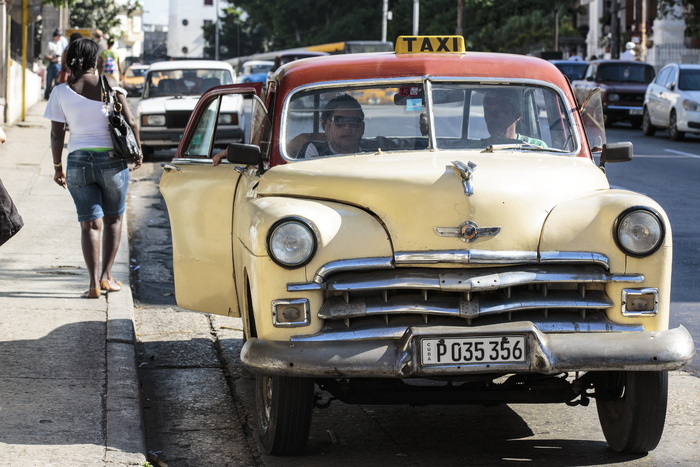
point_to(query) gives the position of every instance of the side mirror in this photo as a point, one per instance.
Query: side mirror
(616, 152)
(247, 154)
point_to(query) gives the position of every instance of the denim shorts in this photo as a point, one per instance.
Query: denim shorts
(98, 183)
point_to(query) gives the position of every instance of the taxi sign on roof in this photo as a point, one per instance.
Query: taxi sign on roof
(429, 44)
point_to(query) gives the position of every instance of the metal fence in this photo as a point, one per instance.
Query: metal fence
(663, 54)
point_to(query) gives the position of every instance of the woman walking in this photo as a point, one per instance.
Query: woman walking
(96, 179)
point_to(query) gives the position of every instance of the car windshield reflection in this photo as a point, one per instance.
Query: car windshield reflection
(400, 117)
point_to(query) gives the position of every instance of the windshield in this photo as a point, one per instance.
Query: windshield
(689, 80)
(399, 117)
(184, 82)
(626, 72)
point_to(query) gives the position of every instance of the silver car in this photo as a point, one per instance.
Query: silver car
(672, 101)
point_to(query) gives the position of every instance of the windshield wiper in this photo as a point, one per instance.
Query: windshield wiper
(520, 147)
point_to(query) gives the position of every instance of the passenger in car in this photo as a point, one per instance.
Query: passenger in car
(502, 112)
(343, 123)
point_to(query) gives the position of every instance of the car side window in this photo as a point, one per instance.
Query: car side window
(663, 75)
(672, 79)
(201, 142)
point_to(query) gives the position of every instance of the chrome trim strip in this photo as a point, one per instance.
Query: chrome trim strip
(357, 264)
(192, 161)
(454, 257)
(473, 280)
(459, 307)
(574, 257)
(465, 257)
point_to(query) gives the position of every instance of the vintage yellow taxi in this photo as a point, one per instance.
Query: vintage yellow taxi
(438, 262)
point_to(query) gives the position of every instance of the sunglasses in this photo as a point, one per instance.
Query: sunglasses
(341, 121)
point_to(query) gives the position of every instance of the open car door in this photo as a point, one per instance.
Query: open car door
(200, 197)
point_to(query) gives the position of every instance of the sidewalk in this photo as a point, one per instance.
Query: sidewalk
(69, 390)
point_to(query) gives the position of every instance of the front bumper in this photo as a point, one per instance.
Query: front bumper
(548, 353)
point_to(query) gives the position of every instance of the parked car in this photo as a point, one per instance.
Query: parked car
(623, 84)
(133, 79)
(572, 69)
(672, 101)
(171, 91)
(442, 259)
(255, 71)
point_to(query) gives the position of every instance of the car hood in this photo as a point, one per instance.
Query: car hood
(693, 95)
(167, 104)
(413, 194)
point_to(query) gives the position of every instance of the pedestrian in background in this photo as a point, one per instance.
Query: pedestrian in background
(96, 179)
(10, 220)
(65, 71)
(55, 50)
(108, 62)
(100, 39)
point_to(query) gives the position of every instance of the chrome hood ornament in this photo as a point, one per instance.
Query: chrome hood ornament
(466, 171)
(467, 232)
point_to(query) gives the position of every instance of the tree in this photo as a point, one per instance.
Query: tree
(95, 14)
(237, 36)
(305, 22)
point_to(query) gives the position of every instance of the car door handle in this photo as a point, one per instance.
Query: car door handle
(168, 167)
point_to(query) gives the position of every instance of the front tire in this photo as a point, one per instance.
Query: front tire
(284, 407)
(632, 409)
(647, 127)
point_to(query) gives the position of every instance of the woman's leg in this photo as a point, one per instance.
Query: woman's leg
(90, 233)
(110, 246)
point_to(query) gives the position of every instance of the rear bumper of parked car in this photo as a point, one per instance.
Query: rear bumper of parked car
(624, 112)
(547, 353)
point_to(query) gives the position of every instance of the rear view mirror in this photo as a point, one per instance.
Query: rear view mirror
(247, 154)
(616, 152)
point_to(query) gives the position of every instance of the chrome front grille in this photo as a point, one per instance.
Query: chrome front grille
(466, 293)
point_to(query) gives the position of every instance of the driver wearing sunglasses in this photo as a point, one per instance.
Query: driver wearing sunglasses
(343, 123)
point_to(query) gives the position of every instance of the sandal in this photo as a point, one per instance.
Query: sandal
(92, 293)
(111, 285)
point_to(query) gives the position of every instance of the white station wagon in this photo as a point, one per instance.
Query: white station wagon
(170, 94)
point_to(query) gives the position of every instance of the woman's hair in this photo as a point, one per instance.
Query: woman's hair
(81, 56)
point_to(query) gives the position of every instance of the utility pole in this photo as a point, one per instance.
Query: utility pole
(416, 8)
(460, 18)
(643, 45)
(217, 30)
(614, 29)
(385, 13)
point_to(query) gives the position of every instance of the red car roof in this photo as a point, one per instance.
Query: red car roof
(388, 65)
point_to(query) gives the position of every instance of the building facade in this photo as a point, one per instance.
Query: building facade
(186, 20)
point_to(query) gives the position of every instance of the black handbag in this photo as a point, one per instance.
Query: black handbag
(123, 139)
(10, 220)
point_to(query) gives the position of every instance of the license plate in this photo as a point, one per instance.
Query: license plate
(473, 350)
(635, 111)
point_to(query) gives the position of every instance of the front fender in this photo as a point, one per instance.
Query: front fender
(587, 223)
(343, 232)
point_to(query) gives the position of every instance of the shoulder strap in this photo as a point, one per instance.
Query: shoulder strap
(109, 97)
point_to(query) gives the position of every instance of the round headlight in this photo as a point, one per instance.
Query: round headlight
(640, 232)
(291, 243)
